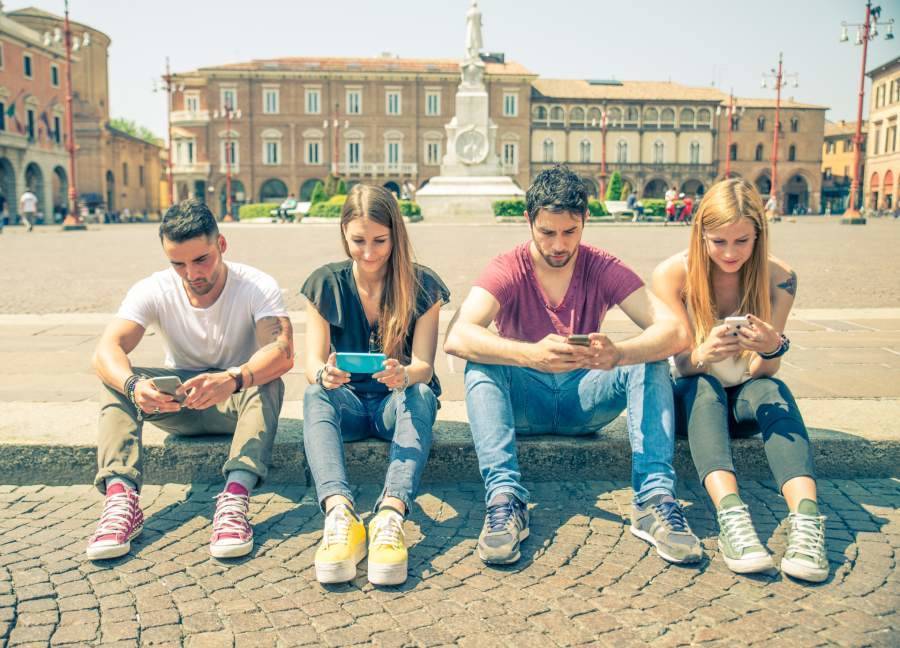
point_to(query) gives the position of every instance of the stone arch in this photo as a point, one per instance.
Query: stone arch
(703, 117)
(539, 112)
(111, 191)
(693, 187)
(8, 202)
(686, 118)
(591, 185)
(667, 117)
(273, 190)
(557, 114)
(655, 188)
(796, 193)
(651, 116)
(594, 117)
(238, 197)
(576, 115)
(763, 184)
(60, 193)
(34, 182)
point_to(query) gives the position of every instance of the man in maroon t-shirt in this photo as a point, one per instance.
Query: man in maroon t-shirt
(550, 370)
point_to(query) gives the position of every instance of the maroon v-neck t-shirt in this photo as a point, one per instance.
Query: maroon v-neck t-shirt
(599, 282)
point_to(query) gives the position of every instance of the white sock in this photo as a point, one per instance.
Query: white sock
(245, 478)
(127, 483)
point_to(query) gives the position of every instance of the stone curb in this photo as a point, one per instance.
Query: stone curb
(67, 455)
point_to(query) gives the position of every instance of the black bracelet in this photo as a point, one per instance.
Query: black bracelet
(780, 351)
(129, 393)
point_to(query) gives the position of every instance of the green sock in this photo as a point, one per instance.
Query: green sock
(808, 507)
(730, 501)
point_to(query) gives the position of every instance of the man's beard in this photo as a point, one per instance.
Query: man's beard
(553, 263)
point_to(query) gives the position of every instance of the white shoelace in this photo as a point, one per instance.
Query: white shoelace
(231, 514)
(116, 516)
(388, 531)
(337, 526)
(807, 535)
(738, 526)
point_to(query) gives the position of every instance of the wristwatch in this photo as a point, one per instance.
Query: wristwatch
(237, 374)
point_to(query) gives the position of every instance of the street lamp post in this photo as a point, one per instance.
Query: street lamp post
(169, 87)
(229, 113)
(865, 32)
(730, 112)
(335, 125)
(777, 78)
(603, 173)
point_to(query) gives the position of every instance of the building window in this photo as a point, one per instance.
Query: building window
(354, 153)
(557, 114)
(26, 66)
(795, 124)
(760, 123)
(433, 152)
(548, 150)
(57, 129)
(393, 153)
(313, 97)
(54, 75)
(792, 153)
(848, 145)
(511, 154)
(622, 152)
(314, 152)
(759, 153)
(354, 102)
(192, 102)
(432, 103)
(732, 154)
(184, 151)
(667, 118)
(392, 98)
(229, 98)
(890, 140)
(141, 175)
(510, 104)
(735, 123)
(228, 153)
(877, 142)
(704, 117)
(270, 101)
(659, 152)
(271, 152)
(686, 118)
(125, 173)
(585, 149)
(695, 152)
(29, 125)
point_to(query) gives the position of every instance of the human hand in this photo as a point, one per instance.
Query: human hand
(153, 401)
(553, 354)
(332, 377)
(207, 389)
(601, 354)
(721, 343)
(394, 374)
(759, 336)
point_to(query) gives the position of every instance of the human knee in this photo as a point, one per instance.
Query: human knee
(708, 388)
(476, 371)
(648, 372)
(421, 401)
(315, 394)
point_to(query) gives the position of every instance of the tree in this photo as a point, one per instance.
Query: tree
(333, 185)
(131, 128)
(341, 187)
(626, 191)
(614, 188)
(318, 194)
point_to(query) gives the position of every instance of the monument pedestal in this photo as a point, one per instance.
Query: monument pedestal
(465, 198)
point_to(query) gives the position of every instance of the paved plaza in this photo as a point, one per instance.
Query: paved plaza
(583, 579)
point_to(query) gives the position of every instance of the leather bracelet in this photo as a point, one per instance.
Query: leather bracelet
(129, 386)
(780, 351)
(320, 374)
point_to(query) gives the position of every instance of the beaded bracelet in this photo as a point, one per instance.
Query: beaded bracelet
(130, 384)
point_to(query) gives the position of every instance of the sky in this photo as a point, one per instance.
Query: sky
(694, 42)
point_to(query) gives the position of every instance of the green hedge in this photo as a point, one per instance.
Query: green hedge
(409, 208)
(251, 211)
(332, 207)
(516, 207)
(657, 206)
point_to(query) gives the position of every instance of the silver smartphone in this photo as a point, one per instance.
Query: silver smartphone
(169, 385)
(737, 322)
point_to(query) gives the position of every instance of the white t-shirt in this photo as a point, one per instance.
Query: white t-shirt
(217, 337)
(29, 202)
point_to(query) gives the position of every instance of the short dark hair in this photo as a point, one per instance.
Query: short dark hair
(186, 220)
(556, 189)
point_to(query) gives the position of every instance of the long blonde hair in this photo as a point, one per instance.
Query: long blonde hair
(398, 296)
(728, 202)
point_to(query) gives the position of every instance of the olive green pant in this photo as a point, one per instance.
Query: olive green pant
(251, 416)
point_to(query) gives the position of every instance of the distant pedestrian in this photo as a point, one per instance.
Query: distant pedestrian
(671, 197)
(28, 203)
(771, 209)
(687, 212)
(634, 206)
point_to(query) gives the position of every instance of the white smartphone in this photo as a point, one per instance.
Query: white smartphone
(169, 385)
(737, 321)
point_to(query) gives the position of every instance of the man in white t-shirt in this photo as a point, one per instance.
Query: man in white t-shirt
(28, 203)
(228, 338)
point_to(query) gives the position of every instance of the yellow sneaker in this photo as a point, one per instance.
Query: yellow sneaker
(387, 549)
(343, 546)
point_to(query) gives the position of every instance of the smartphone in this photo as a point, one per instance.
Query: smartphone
(366, 363)
(169, 385)
(737, 321)
(579, 340)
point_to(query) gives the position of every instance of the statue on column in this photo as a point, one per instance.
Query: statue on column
(473, 33)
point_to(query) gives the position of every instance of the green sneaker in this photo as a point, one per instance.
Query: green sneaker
(805, 557)
(738, 543)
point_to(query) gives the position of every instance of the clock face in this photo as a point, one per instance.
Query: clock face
(471, 147)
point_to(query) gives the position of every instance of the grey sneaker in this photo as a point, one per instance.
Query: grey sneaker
(505, 526)
(740, 546)
(661, 523)
(805, 557)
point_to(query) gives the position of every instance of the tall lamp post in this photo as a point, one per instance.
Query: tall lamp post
(335, 125)
(170, 85)
(73, 219)
(229, 113)
(730, 111)
(776, 78)
(603, 174)
(865, 32)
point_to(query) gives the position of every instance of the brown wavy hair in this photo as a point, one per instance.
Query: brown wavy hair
(728, 202)
(398, 296)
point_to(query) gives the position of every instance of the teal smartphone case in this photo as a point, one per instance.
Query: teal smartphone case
(367, 363)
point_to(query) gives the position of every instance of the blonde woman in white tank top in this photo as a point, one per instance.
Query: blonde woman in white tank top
(727, 377)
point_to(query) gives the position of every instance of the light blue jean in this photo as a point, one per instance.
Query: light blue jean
(505, 401)
(331, 416)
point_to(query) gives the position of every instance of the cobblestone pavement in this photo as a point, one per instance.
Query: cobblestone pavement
(583, 578)
(51, 271)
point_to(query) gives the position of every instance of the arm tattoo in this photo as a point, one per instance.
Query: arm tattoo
(789, 285)
(276, 333)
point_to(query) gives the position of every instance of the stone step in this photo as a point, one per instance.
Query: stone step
(55, 443)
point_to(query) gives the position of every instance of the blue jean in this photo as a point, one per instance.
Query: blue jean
(331, 416)
(505, 401)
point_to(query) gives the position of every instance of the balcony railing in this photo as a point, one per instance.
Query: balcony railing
(196, 168)
(185, 117)
(377, 168)
(510, 169)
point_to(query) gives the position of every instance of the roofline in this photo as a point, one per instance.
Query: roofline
(49, 15)
(880, 68)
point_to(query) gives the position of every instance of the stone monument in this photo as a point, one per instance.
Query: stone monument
(471, 176)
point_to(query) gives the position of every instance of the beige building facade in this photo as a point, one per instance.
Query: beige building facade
(882, 174)
(114, 170)
(296, 120)
(838, 158)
